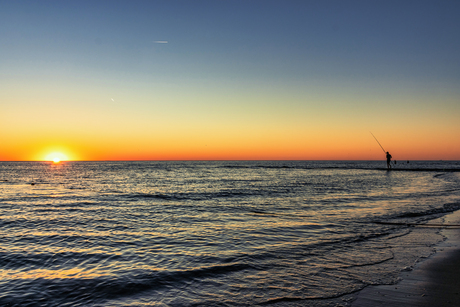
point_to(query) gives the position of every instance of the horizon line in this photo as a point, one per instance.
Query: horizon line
(211, 160)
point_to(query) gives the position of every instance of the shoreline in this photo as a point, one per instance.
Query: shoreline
(434, 281)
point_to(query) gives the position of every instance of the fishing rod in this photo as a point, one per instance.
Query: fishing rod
(378, 142)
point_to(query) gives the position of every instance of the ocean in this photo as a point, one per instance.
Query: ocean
(215, 233)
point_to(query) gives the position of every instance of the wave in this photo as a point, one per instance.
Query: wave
(423, 215)
(286, 299)
(187, 196)
(446, 208)
(261, 166)
(39, 260)
(200, 196)
(395, 169)
(56, 291)
(415, 166)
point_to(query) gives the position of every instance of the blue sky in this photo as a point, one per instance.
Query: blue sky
(299, 39)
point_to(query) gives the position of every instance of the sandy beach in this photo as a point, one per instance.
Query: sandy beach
(434, 281)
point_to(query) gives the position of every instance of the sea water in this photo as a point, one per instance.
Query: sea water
(222, 233)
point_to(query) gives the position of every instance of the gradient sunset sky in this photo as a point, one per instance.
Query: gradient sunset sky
(182, 80)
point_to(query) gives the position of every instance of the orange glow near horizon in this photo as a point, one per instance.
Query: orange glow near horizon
(271, 133)
(247, 148)
(56, 157)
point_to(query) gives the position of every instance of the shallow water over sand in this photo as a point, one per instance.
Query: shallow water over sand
(213, 233)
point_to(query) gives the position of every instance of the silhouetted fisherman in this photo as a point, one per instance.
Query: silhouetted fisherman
(388, 160)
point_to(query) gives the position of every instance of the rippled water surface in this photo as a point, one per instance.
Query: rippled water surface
(213, 233)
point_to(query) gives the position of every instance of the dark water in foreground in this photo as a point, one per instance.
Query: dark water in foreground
(213, 233)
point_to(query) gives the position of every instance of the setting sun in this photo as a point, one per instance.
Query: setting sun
(56, 157)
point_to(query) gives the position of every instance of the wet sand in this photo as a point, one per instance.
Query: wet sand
(433, 282)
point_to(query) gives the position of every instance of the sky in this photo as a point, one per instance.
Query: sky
(229, 80)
